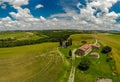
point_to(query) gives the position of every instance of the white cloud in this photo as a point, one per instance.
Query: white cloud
(20, 2)
(39, 6)
(42, 18)
(112, 14)
(86, 20)
(6, 19)
(78, 5)
(55, 19)
(103, 5)
(16, 2)
(22, 14)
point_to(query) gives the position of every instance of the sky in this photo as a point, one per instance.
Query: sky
(59, 14)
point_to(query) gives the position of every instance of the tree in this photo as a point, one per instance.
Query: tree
(84, 64)
(106, 49)
(70, 41)
(60, 42)
(70, 53)
(67, 43)
(83, 42)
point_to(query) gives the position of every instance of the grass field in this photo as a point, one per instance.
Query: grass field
(113, 41)
(77, 38)
(33, 63)
(99, 67)
(20, 35)
(43, 63)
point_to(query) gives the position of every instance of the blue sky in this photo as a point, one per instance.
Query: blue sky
(116, 7)
(5, 12)
(50, 9)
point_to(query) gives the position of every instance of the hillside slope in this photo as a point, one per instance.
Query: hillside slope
(33, 63)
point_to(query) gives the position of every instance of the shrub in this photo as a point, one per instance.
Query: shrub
(83, 42)
(84, 64)
(106, 49)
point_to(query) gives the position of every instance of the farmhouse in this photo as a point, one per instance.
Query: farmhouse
(85, 49)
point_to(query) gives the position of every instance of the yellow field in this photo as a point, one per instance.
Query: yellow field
(33, 63)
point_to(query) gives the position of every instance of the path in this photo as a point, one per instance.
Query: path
(72, 73)
(63, 57)
(96, 41)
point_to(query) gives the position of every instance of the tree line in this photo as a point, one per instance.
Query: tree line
(52, 36)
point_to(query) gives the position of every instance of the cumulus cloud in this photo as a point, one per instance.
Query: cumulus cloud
(85, 20)
(42, 18)
(103, 20)
(16, 2)
(39, 6)
(103, 5)
(22, 14)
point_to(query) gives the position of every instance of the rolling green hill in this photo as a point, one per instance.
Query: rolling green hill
(20, 35)
(43, 63)
(34, 63)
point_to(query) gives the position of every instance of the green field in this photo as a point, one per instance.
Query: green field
(99, 67)
(46, 62)
(34, 63)
(20, 35)
(113, 41)
(77, 38)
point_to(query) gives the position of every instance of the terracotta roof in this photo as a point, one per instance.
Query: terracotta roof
(87, 46)
(94, 45)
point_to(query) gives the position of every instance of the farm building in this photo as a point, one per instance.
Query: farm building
(85, 49)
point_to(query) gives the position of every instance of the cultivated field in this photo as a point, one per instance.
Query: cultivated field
(33, 63)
